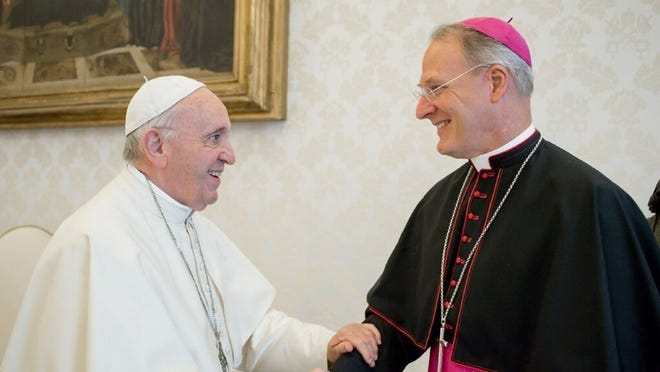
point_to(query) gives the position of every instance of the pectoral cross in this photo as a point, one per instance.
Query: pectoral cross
(441, 338)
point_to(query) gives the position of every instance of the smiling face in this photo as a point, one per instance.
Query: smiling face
(459, 111)
(198, 150)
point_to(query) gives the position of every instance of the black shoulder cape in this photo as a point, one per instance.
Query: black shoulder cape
(567, 277)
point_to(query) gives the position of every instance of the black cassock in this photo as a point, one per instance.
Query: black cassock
(566, 278)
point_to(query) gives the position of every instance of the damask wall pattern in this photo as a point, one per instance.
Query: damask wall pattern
(317, 201)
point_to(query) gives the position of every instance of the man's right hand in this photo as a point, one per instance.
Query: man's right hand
(364, 337)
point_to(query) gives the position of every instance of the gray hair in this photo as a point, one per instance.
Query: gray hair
(481, 49)
(133, 145)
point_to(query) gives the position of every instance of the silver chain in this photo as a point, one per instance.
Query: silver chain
(445, 311)
(211, 314)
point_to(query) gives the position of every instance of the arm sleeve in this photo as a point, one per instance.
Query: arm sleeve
(394, 353)
(283, 344)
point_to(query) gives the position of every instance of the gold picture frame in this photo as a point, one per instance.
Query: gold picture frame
(254, 89)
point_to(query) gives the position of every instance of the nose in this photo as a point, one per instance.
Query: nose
(424, 108)
(227, 154)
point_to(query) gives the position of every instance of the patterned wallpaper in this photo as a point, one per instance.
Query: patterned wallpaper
(317, 201)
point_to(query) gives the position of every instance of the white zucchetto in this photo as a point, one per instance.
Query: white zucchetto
(156, 96)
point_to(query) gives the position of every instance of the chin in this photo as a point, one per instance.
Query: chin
(210, 201)
(448, 152)
(441, 149)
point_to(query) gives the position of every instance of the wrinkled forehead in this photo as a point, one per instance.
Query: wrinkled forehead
(442, 56)
(451, 45)
(203, 112)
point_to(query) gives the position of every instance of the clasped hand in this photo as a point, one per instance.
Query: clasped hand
(364, 338)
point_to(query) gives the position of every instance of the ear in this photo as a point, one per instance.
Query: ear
(499, 82)
(152, 147)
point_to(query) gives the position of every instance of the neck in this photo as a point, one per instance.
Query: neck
(512, 117)
(154, 174)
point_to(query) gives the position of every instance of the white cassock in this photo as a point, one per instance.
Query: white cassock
(111, 293)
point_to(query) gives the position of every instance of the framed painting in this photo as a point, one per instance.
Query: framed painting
(78, 62)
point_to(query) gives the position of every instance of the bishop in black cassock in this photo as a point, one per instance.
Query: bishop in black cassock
(523, 259)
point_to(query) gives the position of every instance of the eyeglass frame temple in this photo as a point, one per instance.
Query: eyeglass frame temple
(422, 93)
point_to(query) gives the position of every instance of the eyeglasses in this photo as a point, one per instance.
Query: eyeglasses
(432, 93)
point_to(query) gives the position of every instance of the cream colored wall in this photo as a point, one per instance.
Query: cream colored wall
(317, 201)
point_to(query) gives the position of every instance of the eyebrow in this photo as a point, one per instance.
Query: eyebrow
(431, 81)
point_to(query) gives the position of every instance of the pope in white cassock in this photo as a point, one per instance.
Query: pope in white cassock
(135, 280)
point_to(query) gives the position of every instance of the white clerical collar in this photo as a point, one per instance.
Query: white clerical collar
(481, 162)
(171, 208)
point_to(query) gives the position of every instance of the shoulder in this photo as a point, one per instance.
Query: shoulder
(564, 168)
(105, 211)
(109, 218)
(579, 184)
(557, 160)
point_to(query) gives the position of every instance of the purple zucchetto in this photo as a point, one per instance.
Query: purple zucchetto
(502, 32)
